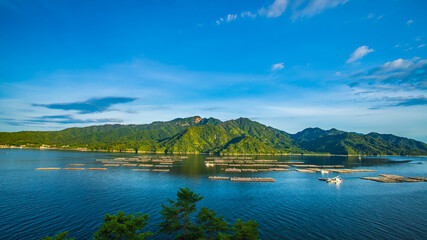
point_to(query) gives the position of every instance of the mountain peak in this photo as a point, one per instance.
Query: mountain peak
(196, 119)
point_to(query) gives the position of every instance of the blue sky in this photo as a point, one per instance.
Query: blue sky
(355, 65)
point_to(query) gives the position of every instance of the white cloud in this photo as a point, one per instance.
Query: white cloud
(359, 53)
(422, 45)
(301, 8)
(314, 7)
(219, 21)
(231, 17)
(409, 21)
(397, 64)
(248, 14)
(274, 10)
(372, 16)
(277, 66)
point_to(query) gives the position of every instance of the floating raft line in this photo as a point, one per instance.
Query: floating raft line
(280, 169)
(235, 165)
(73, 169)
(218, 178)
(101, 169)
(316, 166)
(283, 165)
(145, 165)
(111, 165)
(254, 179)
(76, 164)
(387, 178)
(305, 170)
(314, 170)
(349, 170)
(233, 170)
(265, 170)
(160, 170)
(241, 179)
(142, 169)
(129, 165)
(48, 168)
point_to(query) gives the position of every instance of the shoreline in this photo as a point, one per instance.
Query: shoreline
(219, 154)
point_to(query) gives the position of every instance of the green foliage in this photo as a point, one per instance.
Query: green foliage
(244, 230)
(59, 236)
(211, 226)
(200, 139)
(247, 144)
(176, 215)
(122, 226)
(275, 138)
(201, 135)
(176, 221)
(339, 142)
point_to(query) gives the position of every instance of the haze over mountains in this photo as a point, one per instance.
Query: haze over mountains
(210, 135)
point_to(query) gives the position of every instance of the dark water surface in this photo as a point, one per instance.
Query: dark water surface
(297, 206)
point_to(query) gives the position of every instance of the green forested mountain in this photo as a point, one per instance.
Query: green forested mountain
(340, 142)
(210, 135)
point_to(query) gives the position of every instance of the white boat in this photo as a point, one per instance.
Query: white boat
(324, 171)
(336, 180)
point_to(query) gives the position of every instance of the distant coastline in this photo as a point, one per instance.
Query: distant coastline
(219, 154)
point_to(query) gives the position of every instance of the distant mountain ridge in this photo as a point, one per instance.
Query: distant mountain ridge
(210, 135)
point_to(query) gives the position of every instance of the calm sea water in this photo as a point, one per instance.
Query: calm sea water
(297, 206)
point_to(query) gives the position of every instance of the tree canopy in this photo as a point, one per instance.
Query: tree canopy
(180, 220)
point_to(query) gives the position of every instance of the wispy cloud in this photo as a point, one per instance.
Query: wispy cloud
(398, 64)
(276, 9)
(248, 14)
(277, 66)
(219, 21)
(413, 101)
(68, 119)
(374, 16)
(400, 79)
(390, 102)
(59, 119)
(228, 18)
(92, 105)
(312, 7)
(301, 9)
(409, 22)
(231, 17)
(359, 53)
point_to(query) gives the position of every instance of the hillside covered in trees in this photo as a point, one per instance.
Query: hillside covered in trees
(210, 135)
